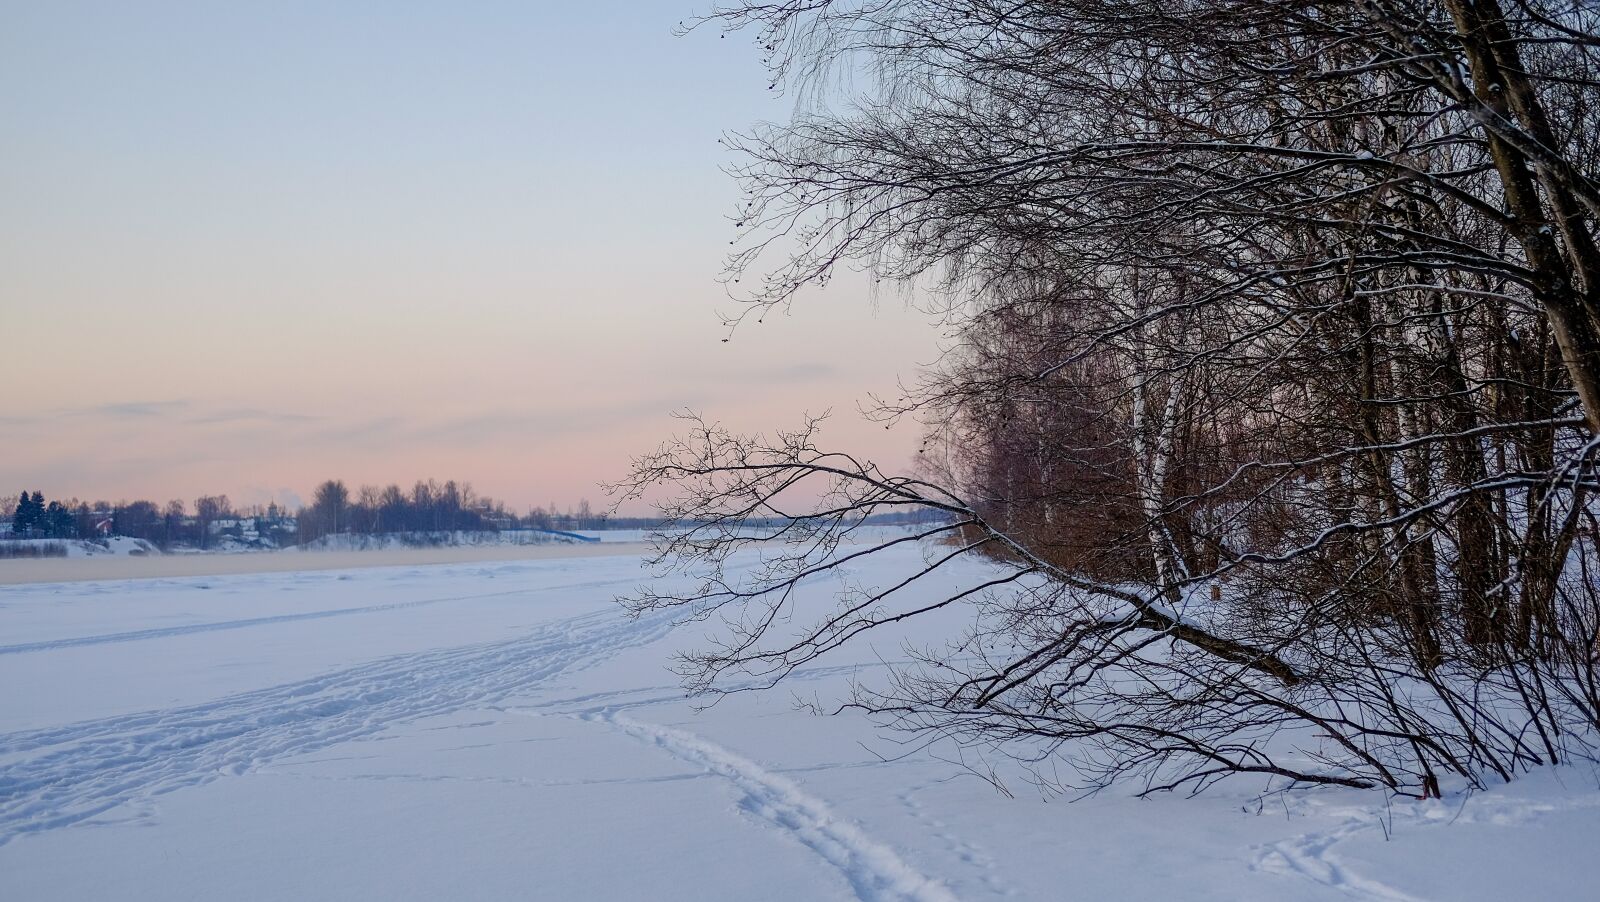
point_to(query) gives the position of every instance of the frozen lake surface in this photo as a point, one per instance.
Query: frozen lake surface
(123, 566)
(500, 730)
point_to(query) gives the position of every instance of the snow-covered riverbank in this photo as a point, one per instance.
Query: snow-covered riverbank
(149, 566)
(499, 730)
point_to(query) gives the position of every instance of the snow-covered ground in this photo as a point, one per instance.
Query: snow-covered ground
(444, 539)
(82, 548)
(499, 730)
(103, 568)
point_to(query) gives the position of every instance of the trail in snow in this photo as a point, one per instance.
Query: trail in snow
(170, 631)
(875, 871)
(1310, 857)
(964, 851)
(61, 776)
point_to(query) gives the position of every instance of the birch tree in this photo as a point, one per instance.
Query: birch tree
(1325, 276)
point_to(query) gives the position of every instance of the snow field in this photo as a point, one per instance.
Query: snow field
(501, 731)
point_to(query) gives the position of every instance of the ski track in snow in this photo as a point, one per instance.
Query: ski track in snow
(61, 776)
(170, 631)
(875, 871)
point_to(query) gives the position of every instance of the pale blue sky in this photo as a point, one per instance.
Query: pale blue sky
(244, 247)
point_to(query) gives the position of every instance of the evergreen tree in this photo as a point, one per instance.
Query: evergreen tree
(27, 515)
(57, 521)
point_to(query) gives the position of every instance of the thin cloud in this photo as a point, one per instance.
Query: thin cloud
(250, 414)
(113, 411)
(361, 433)
(131, 409)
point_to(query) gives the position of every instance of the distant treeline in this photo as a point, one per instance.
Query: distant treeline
(433, 507)
(428, 506)
(915, 517)
(27, 515)
(31, 517)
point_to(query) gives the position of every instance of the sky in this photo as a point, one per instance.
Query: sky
(248, 247)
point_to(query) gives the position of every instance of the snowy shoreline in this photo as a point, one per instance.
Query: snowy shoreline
(502, 730)
(109, 567)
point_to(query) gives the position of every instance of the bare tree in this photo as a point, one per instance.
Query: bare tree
(1301, 300)
(207, 510)
(328, 513)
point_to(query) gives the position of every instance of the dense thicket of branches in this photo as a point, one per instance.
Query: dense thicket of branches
(1276, 389)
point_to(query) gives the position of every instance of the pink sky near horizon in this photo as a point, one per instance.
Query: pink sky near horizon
(245, 251)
